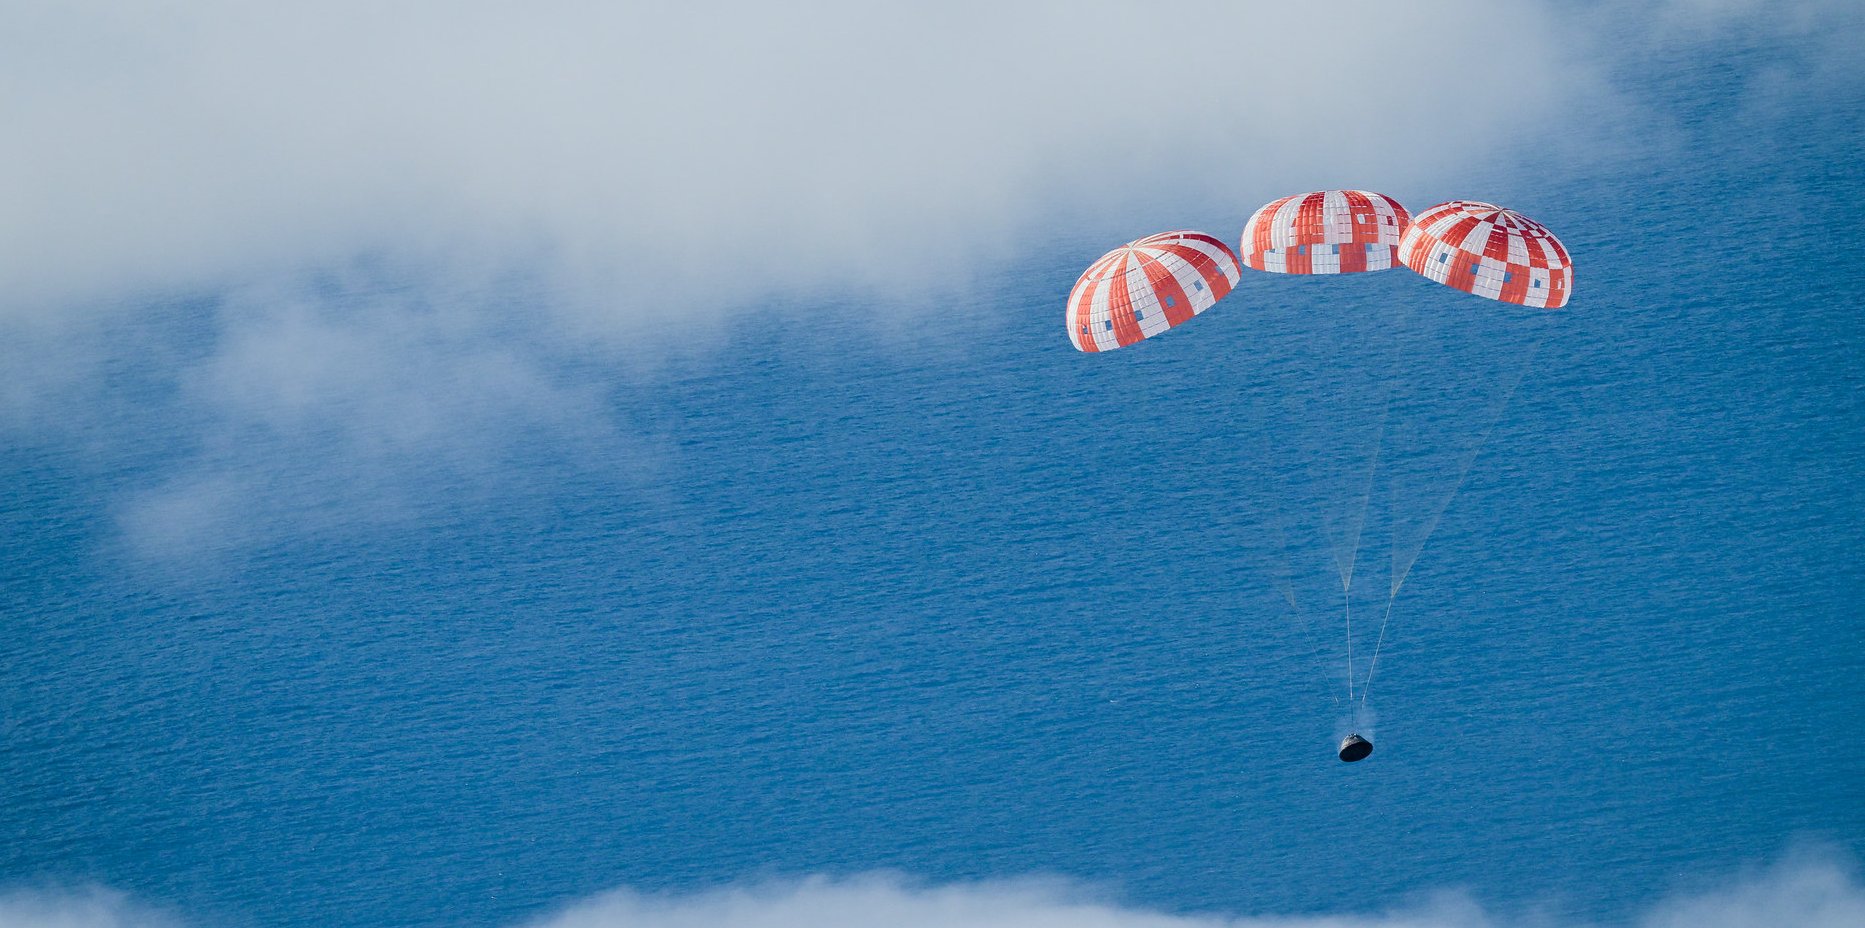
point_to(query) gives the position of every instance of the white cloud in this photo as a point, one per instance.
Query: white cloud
(872, 901)
(533, 182)
(84, 908)
(322, 412)
(701, 153)
(1807, 891)
(658, 162)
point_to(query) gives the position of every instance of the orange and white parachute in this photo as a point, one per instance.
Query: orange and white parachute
(1325, 232)
(1148, 286)
(1492, 252)
(1156, 283)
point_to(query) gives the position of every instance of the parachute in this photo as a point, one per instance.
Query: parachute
(1484, 249)
(1153, 284)
(1148, 286)
(1325, 232)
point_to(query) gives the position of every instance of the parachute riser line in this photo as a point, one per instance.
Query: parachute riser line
(1359, 524)
(1373, 666)
(1310, 626)
(1463, 474)
(1463, 470)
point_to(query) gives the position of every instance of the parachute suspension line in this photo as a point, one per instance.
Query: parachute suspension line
(1463, 473)
(1353, 536)
(1344, 595)
(1283, 578)
(1366, 496)
(1286, 586)
(1373, 667)
(1400, 572)
(1394, 349)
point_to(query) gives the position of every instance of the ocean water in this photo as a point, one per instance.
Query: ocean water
(989, 607)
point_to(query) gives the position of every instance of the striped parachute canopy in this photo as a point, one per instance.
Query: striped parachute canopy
(1148, 286)
(1484, 249)
(1325, 232)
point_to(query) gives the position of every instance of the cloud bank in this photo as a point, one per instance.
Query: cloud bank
(1806, 891)
(321, 414)
(86, 908)
(500, 194)
(694, 154)
(651, 162)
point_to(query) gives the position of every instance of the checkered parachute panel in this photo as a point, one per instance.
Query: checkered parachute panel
(1325, 232)
(1492, 252)
(1148, 286)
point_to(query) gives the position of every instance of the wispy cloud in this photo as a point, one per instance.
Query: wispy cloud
(708, 151)
(1806, 891)
(661, 162)
(79, 908)
(530, 184)
(319, 413)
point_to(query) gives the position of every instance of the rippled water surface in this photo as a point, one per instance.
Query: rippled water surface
(983, 607)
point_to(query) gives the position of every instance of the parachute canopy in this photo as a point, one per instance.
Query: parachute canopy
(1325, 232)
(1492, 252)
(1147, 286)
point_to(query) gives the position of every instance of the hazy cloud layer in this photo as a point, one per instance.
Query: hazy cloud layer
(659, 161)
(85, 908)
(569, 179)
(710, 151)
(323, 411)
(1806, 892)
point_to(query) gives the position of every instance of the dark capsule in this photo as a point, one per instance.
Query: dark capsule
(1355, 748)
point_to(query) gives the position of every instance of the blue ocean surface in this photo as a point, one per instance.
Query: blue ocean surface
(973, 607)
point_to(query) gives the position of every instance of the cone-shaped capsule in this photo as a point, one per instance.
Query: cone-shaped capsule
(1355, 748)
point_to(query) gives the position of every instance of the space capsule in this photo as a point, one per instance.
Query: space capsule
(1355, 748)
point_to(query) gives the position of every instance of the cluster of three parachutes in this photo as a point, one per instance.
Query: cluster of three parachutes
(1155, 283)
